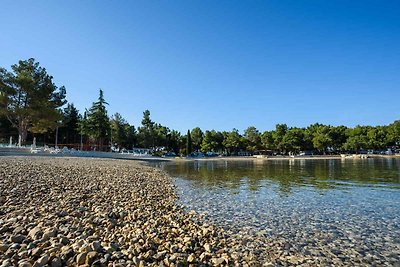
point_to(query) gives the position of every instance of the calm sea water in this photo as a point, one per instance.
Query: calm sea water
(347, 209)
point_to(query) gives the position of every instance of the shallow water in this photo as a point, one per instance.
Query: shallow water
(333, 211)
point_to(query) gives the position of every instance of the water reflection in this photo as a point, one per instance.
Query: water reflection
(343, 209)
(289, 174)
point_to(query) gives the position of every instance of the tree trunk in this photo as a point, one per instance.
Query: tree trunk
(23, 130)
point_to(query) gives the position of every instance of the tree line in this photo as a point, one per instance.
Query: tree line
(31, 105)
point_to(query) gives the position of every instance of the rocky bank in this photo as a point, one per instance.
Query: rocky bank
(94, 212)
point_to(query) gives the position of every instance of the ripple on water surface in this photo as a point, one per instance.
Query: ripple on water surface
(335, 211)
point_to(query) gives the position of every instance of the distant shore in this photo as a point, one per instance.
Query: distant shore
(252, 158)
(95, 154)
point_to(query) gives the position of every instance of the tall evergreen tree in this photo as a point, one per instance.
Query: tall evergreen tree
(146, 132)
(356, 138)
(131, 139)
(97, 122)
(338, 134)
(293, 140)
(267, 140)
(322, 139)
(69, 132)
(278, 134)
(253, 138)
(212, 141)
(173, 141)
(119, 130)
(197, 137)
(232, 142)
(29, 99)
(160, 135)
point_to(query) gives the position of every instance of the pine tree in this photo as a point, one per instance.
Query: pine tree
(29, 99)
(69, 131)
(146, 132)
(97, 122)
(197, 137)
(120, 130)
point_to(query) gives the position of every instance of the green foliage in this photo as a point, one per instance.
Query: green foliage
(6, 130)
(232, 141)
(160, 135)
(338, 135)
(29, 99)
(69, 131)
(278, 134)
(97, 123)
(212, 141)
(173, 141)
(253, 139)
(197, 138)
(378, 137)
(146, 132)
(119, 131)
(293, 140)
(393, 131)
(356, 138)
(188, 143)
(131, 136)
(267, 140)
(322, 138)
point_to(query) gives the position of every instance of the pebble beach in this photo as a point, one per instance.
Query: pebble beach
(68, 211)
(102, 212)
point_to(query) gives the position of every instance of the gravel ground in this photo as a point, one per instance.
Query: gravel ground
(96, 212)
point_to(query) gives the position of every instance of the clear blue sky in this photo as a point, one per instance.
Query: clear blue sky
(217, 64)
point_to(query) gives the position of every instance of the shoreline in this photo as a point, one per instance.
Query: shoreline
(107, 212)
(102, 212)
(108, 155)
(285, 158)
